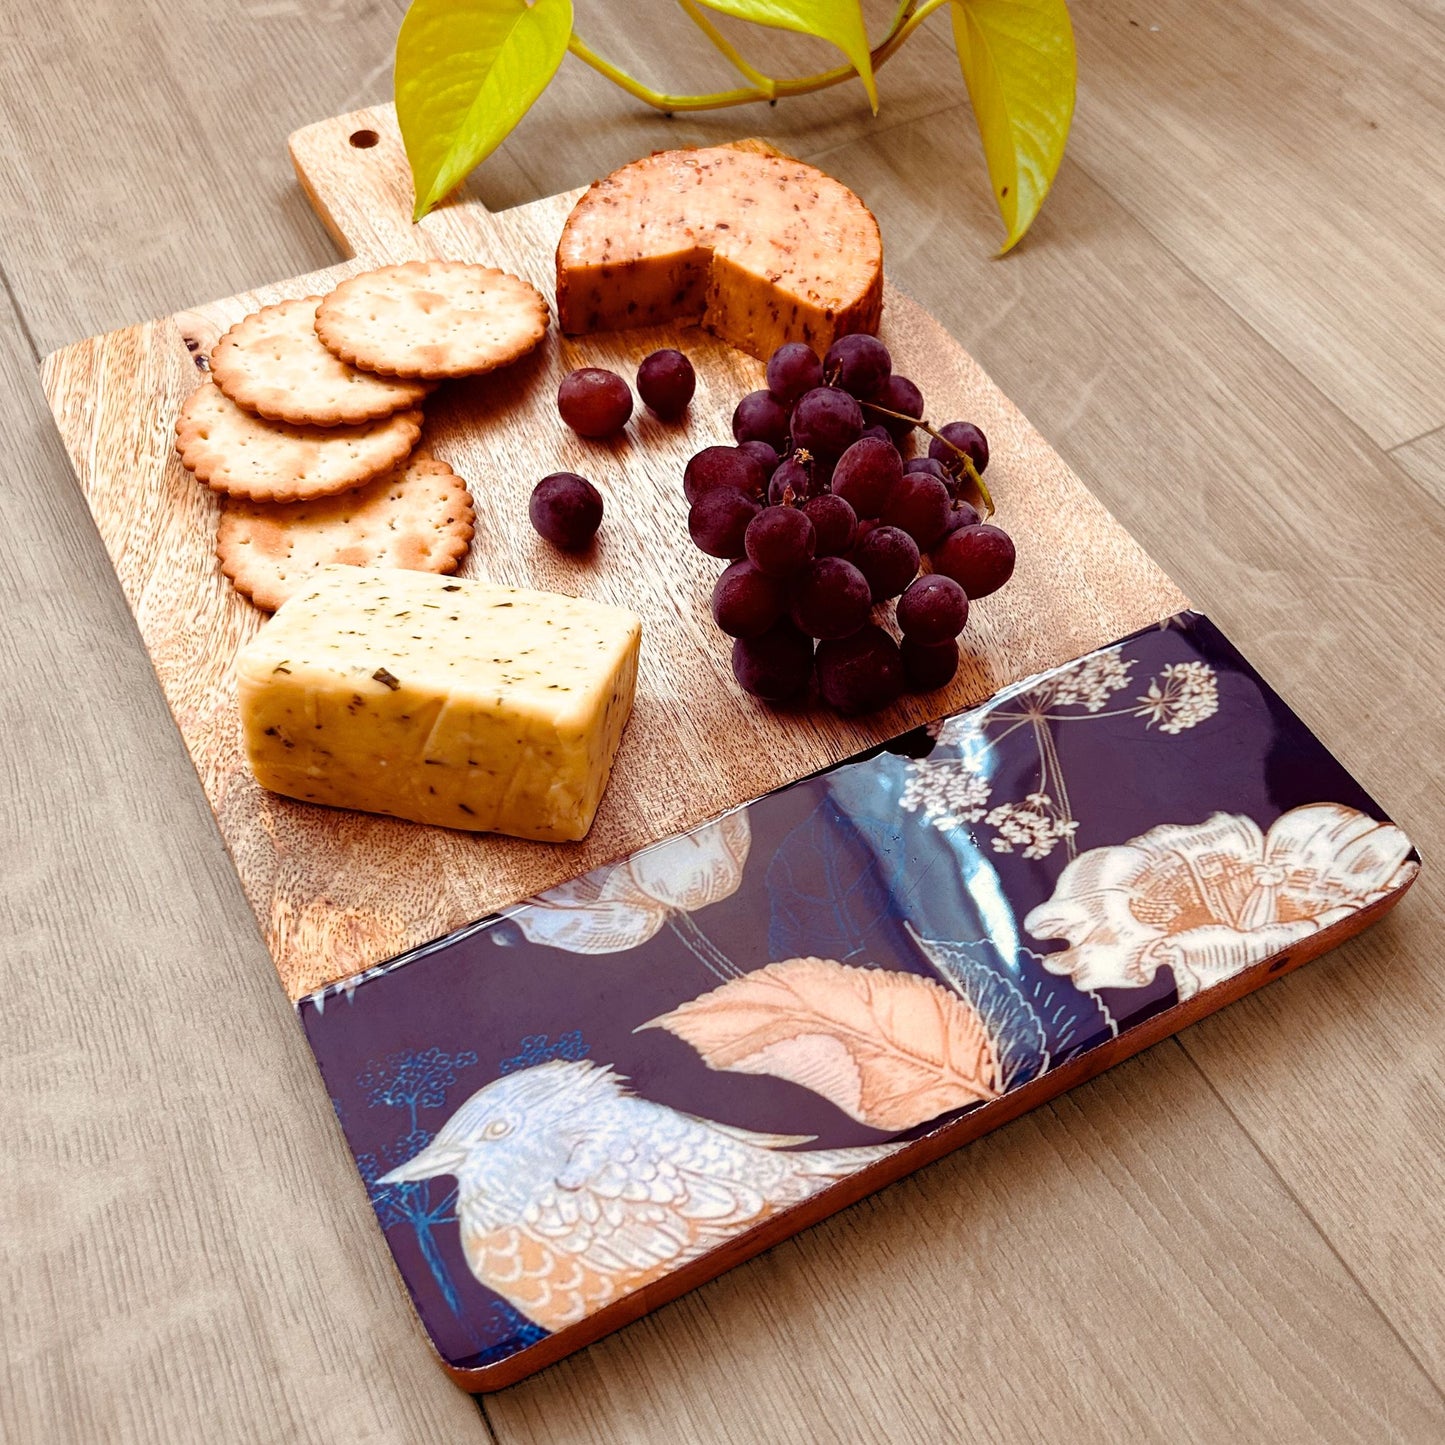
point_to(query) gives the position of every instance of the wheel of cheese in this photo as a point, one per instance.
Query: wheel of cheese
(760, 248)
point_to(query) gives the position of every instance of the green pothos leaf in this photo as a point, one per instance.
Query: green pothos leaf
(466, 72)
(1018, 62)
(839, 22)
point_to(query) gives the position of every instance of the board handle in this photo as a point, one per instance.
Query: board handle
(354, 171)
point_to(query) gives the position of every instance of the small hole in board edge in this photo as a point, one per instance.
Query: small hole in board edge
(363, 140)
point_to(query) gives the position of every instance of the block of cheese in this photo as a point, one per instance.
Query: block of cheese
(762, 249)
(440, 700)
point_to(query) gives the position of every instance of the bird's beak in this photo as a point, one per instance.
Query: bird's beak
(435, 1159)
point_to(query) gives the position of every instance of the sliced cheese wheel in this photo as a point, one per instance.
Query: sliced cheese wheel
(762, 249)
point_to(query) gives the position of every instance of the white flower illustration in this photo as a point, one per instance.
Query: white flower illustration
(1189, 695)
(1033, 826)
(618, 907)
(1212, 898)
(947, 793)
(1087, 683)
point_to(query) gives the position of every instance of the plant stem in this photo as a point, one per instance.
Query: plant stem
(729, 51)
(905, 22)
(968, 468)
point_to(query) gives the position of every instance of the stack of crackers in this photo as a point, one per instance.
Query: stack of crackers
(308, 427)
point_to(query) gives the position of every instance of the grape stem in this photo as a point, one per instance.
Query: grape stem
(969, 470)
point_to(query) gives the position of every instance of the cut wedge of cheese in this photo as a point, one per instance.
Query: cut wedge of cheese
(760, 248)
(458, 703)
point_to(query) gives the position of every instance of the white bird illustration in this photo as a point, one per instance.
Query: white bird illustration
(572, 1191)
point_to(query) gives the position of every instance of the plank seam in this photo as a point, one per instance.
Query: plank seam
(25, 330)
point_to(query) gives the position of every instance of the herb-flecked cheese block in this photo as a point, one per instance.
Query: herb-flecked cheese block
(761, 248)
(439, 700)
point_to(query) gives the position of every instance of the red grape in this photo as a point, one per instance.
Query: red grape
(718, 521)
(878, 432)
(928, 665)
(593, 402)
(967, 438)
(888, 558)
(776, 665)
(866, 474)
(745, 603)
(899, 394)
(933, 609)
(858, 363)
(727, 468)
(919, 505)
(980, 559)
(566, 509)
(826, 421)
(763, 454)
(830, 598)
(860, 673)
(793, 369)
(961, 514)
(779, 541)
(761, 417)
(930, 465)
(835, 524)
(666, 382)
(792, 481)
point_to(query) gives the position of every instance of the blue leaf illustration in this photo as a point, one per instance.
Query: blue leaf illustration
(829, 891)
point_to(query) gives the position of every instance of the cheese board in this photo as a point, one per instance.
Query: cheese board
(914, 925)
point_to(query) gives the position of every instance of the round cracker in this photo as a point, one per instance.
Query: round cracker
(418, 517)
(273, 363)
(233, 452)
(432, 319)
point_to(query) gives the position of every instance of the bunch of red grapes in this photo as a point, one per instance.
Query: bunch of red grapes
(822, 520)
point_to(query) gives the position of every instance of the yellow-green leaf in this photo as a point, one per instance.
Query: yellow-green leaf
(1018, 63)
(839, 22)
(466, 72)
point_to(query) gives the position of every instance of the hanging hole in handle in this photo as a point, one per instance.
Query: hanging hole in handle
(363, 140)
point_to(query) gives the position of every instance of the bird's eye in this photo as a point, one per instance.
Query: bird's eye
(496, 1129)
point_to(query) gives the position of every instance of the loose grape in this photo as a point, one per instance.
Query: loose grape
(835, 524)
(888, 558)
(918, 504)
(792, 481)
(593, 402)
(566, 509)
(961, 514)
(718, 521)
(666, 382)
(866, 475)
(859, 363)
(933, 609)
(928, 665)
(793, 369)
(775, 666)
(765, 456)
(826, 421)
(967, 438)
(860, 673)
(779, 541)
(929, 465)
(980, 558)
(745, 603)
(830, 598)
(761, 417)
(725, 468)
(900, 394)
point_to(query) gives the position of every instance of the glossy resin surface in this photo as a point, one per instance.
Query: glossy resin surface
(564, 1107)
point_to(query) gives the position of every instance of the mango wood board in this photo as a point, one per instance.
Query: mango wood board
(336, 892)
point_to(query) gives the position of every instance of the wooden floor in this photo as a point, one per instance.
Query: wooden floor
(1231, 321)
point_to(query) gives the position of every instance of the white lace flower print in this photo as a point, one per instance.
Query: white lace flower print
(947, 793)
(1088, 683)
(1188, 695)
(618, 907)
(1032, 827)
(1210, 899)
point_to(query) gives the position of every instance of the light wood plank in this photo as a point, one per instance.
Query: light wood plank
(1119, 1265)
(1288, 153)
(180, 1260)
(1424, 460)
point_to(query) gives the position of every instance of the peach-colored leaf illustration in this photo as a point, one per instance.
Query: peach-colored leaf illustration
(889, 1049)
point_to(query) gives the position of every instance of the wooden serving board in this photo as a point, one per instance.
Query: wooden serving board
(336, 892)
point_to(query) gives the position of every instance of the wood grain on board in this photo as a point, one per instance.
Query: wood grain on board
(336, 892)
